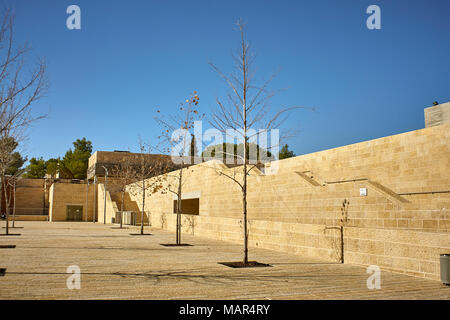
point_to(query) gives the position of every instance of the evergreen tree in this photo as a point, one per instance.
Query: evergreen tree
(238, 149)
(194, 150)
(72, 166)
(286, 153)
(10, 160)
(36, 169)
(75, 162)
(16, 163)
(52, 166)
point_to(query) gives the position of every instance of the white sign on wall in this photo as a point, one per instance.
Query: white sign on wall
(363, 192)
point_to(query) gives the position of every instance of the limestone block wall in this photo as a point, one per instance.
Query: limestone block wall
(30, 197)
(403, 223)
(437, 115)
(129, 205)
(63, 194)
(110, 159)
(111, 206)
(410, 252)
(409, 162)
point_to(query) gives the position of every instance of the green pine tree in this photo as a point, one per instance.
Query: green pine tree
(285, 153)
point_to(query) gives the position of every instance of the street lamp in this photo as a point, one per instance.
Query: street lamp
(104, 203)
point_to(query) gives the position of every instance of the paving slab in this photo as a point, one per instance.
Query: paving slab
(115, 265)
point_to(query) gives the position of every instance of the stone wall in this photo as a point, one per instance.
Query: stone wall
(30, 197)
(406, 251)
(110, 160)
(402, 224)
(437, 115)
(63, 194)
(114, 204)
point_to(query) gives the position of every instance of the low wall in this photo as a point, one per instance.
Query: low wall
(29, 197)
(29, 218)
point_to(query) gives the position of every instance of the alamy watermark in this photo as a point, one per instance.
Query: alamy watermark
(74, 280)
(74, 20)
(374, 280)
(263, 145)
(373, 22)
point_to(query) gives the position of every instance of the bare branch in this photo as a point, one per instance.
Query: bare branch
(18, 91)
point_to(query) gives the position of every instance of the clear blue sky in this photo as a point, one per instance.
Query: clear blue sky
(134, 57)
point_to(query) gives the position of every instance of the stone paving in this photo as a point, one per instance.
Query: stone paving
(117, 265)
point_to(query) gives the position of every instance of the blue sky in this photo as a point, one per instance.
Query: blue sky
(133, 57)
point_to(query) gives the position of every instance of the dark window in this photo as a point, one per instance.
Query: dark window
(188, 206)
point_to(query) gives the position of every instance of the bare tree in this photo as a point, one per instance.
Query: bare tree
(247, 107)
(20, 84)
(338, 247)
(126, 173)
(177, 127)
(148, 176)
(20, 87)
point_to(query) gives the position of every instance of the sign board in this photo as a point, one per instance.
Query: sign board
(363, 192)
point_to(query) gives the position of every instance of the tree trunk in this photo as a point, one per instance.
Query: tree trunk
(14, 206)
(143, 206)
(342, 244)
(6, 203)
(1, 195)
(178, 231)
(121, 209)
(244, 111)
(244, 202)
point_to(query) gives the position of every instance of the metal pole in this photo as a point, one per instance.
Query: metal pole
(87, 198)
(95, 198)
(104, 203)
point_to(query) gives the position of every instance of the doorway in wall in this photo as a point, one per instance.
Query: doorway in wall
(74, 213)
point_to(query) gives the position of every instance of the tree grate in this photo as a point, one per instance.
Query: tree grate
(240, 264)
(176, 245)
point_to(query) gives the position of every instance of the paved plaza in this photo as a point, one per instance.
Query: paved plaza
(117, 265)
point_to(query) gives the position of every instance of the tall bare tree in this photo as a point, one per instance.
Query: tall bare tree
(183, 153)
(246, 107)
(21, 85)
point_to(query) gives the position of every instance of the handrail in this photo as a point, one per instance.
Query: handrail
(390, 194)
(343, 181)
(424, 192)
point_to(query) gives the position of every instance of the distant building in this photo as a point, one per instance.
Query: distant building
(111, 159)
